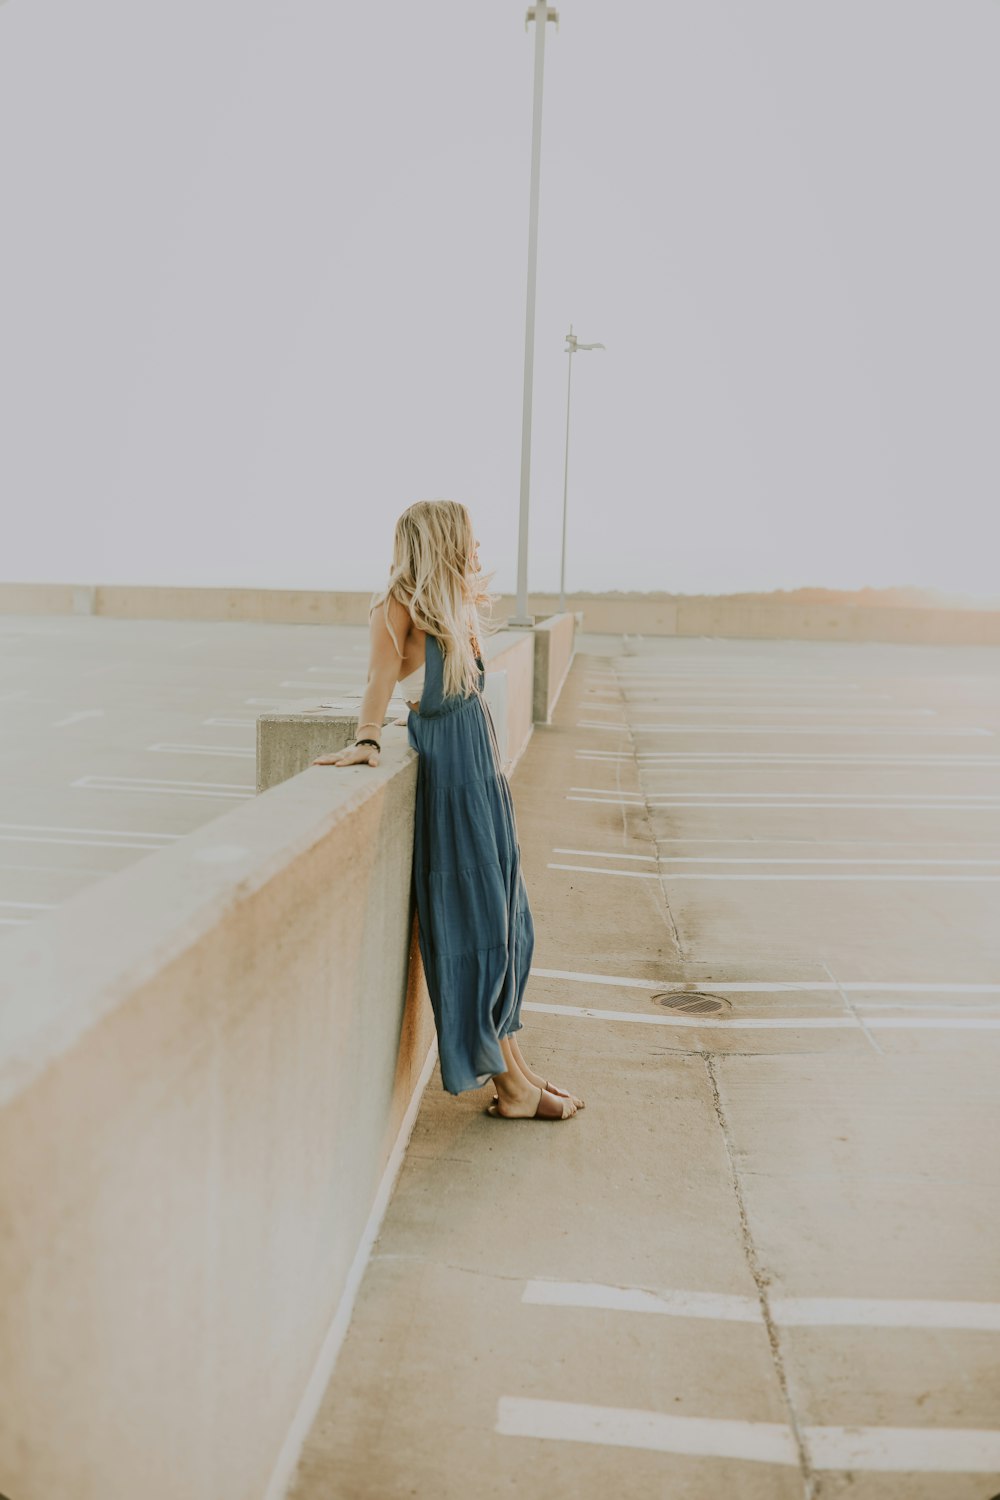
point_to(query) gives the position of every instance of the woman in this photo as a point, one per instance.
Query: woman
(475, 928)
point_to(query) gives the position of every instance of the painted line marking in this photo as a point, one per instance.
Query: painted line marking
(780, 729)
(772, 986)
(593, 870)
(617, 796)
(656, 806)
(140, 833)
(746, 859)
(721, 875)
(611, 854)
(240, 752)
(740, 679)
(772, 1023)
(671, 696)
(953, 1450)
(271, 705)
(675, 875)
(84, 713)
(34, 838)
(762, 1442)
(791, 1312)
(665, 760)
(319, 687)
(166, 788)
(29, 905)
(762, 840)
(752, 708)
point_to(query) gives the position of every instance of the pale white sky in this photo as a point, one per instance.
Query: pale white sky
(263, 279)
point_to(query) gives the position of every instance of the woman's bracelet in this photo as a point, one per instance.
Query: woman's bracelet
(369, 742)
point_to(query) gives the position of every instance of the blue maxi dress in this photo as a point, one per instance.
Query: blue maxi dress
(475, 929)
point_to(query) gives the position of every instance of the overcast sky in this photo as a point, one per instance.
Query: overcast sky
(264, 282)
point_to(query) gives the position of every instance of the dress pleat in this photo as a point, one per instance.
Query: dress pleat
(474, 922)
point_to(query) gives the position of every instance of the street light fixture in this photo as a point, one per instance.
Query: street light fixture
(539, 13)
(572, 345)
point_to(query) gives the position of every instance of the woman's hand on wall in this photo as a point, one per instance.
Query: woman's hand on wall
(354, 755)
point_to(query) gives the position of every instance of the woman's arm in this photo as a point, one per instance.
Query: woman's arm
(383, 674)
(383, 666)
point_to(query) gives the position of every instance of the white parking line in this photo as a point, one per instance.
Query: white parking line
(739, 679)
(166, 788)
(35, 838)
(748, 859)
(773, 986)
(84, 713)
(772, 1023)
(936, 730)
(992, 805)
(665, 760)
(271, 705)
(765, 839)
(791, 1312)
(594, 870)
(121, 833)
(671, 696)
(608, 854)
(693, 875)
(882, 797)
(240, 752)
(762, 708)
(953, 1450)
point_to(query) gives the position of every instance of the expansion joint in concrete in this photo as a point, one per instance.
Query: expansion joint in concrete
(762, 1283)
(633, 751)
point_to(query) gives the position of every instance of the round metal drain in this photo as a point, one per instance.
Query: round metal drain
(691, 1002)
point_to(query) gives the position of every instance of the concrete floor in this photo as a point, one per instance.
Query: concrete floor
(763, 1261)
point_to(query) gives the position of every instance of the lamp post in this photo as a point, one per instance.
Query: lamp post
(572, 345)
(540, 14)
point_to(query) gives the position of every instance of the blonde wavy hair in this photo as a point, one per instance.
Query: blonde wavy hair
(431, 576)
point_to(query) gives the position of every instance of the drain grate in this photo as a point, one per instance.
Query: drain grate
(691, 1002)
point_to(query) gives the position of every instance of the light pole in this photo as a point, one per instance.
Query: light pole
(539, 13)
(572, 345)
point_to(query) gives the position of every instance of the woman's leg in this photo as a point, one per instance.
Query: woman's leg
(529, 1073)
(517, 1094)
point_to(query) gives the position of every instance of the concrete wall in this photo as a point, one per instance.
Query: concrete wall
(205, 1064)
(209, 1065)
(555, 647)
(671, 616)
(512, 652)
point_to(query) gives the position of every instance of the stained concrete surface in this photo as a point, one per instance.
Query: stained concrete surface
(845, 1160)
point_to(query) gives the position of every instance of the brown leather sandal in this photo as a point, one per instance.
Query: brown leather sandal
(560, 1093)
(544, 1110)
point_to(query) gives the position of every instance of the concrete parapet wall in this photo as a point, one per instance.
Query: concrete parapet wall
(835, 622)
(512, 652)
(289, 739)
(204, 1065)
(555, 645)
(674, 615)
(208, 1067)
